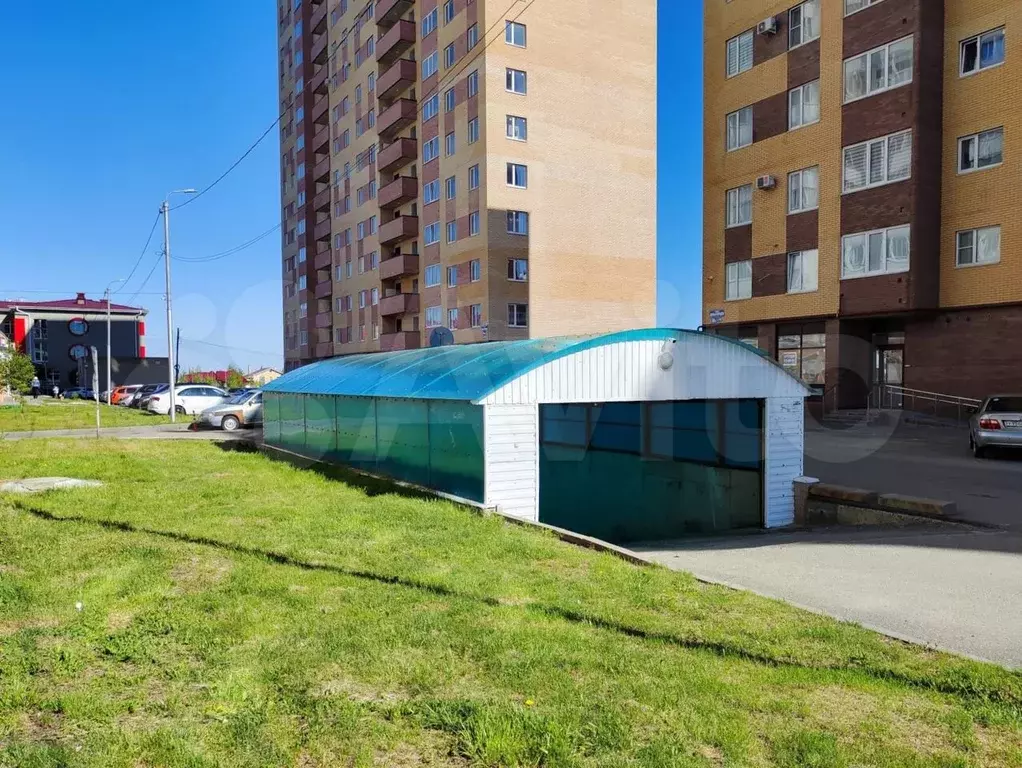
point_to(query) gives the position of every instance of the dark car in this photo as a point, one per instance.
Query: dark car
(141, 399)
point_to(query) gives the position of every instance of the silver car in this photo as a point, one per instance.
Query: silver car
(244, 409)
(997, 424)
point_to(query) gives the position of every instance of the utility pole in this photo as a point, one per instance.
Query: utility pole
(177, 355)
(109, 383)
(165, 210)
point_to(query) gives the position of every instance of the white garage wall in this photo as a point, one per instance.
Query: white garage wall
(511, 459)
(785, 438)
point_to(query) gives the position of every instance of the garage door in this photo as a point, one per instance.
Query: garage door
(646, 471)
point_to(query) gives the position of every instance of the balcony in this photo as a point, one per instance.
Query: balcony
(405, 265)
(321, 140)
(400, 76)
(398, 192)
(324, 260)
(321, 171)
(388, 12)
(324, 290)
(399, 304)
(324, 350)
(396, 41)
(318, 54)
(400, 229)
(322, 230)
(321, 202)
(318, 82)
(397, 154)
(320, 107)
(396, 117)
(324, 320)
(392, 342)
(318, 21)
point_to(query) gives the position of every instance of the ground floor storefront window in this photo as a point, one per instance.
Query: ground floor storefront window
(802, 351)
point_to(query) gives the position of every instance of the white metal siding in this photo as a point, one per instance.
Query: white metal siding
(785, 436)
(511, 433)
(704, 367)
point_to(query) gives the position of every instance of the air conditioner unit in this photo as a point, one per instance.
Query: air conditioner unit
(767, 26)
(766, 182)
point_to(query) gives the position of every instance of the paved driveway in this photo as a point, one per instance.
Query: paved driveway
(933, 462)
(951, 587)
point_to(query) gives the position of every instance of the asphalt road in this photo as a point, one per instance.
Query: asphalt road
(161, 432)
(950, 587)
(933, 462)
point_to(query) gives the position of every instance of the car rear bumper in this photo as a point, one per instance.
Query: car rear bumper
(1007, 438)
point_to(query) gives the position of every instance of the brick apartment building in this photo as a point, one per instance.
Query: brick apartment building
(863, 212)
(484, 166)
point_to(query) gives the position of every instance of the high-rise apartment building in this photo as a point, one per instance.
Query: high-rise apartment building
(487, 167)
(863, 213)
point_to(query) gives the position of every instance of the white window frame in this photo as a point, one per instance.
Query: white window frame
(510, 74)
(431, 275)
(976, 137)
(429, 21)
(473, 224)
(733, 206)
(431, 150)
(737, 284)
(799, 94)
(801, 8)
(449, 12)
(430, 65)
(735, 46)
(517, 128)
(805, 285)
(518, 223)
(451, 187)
(737, 120)
(431, 192)
(452, 317)
(978, 39)
(472, 83)
(473, 171)
(885, 141)
(867, 57)
(865, 4)
(450, 144)
(475, 271)
(473, 130)
(452, 231)
(450, 56)
(974, 247)
(518, 175)
(803, 205)
(431, 234)
(450, 100)
(517, 315)
(434, 316)
(885, 250)
(475, 314)
(431, 107)
(509, 34)
(452, 275)
(472, 37)
(513, 273)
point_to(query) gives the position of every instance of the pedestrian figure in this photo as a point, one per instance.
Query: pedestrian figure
(56, 391)
(35, 387)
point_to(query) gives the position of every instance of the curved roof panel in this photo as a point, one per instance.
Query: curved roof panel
(460, 372)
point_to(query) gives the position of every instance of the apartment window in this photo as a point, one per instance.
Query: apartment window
(374, 296)
(345, 106)
(302, 282)
(853, 6)
(300, 171)
(300, 142)
(374, 260)
(881, 69)
(376, 326)
(430, 192)
(449, 56)
(431, 107)
(301, 198)
(449, 144)
(450, 100)
(803, 271)
(346, 138)
(516, 81)
(981, 150)
(979, 246)
(362, 332)
(881, 252)
(473, 177)
(362, 296)
(739, 280)
(804, 105)
(451, 187)
(299, 58)
(514, 34)
(983, 51)
(301, 254)
(517, 175)
(803, 23)
(301, 226)
(347, 203)
(517, 270)
(475, 271)
(739, 129)
(473, 224)
(371, 82)
(339, 303)
(430, 65)
(452, 277)
(452, 231)
(517, 128)
(338, 276)
(877, 162)
(432, 275)
(431, 234)
(473, 130)
(475, 313)
(429, 22)
(452, 318)
(299, 85)
(434, 316)
(303, 337)
(739, 54)
(347, 268)
(361, 230)
(299, 114)
(517, 223)
(358, 94)
(804, 190)
(473, 83)
(431, 150)
(361, 265)
(303, 309)
(472, 36)
(517, 315)
(739, 206)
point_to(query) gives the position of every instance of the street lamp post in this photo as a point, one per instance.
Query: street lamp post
(109, 384)
(172, 379)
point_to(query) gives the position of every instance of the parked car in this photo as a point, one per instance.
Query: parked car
(78, 393)
(121, 395)
(188, 398)
(243, 409)
(997, 424)
(141, 397)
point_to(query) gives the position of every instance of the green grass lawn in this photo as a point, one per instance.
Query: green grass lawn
(44, 414)
(240, 612)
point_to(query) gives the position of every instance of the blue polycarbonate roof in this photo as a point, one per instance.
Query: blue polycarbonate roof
(460, 372)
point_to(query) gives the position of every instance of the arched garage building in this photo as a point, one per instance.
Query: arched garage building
(639, 435)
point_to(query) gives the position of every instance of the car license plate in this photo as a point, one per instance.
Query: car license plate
(1013, 424)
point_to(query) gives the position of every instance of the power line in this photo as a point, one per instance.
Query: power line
(232, 349)
(65, 293)
(229, 251)
(140, 256)
(156, 263)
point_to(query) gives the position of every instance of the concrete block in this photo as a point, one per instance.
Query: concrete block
(839, 493)
(917, 506)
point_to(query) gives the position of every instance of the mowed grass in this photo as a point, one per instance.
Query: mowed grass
(240, 612)
(43, 414)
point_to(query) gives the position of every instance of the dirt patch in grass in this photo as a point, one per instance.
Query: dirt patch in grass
(13, 626)
(199, 573)
(353, 690)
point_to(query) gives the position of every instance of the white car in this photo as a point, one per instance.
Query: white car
(188, 398)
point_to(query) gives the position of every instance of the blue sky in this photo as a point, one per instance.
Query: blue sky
(114, 104)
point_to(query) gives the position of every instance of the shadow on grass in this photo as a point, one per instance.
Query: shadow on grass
(952, 681)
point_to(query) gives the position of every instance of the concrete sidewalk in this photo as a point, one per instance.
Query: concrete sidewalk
(157, 432)
(949, 587)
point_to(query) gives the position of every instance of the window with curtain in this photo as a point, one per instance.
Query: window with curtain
(876, 162)
(883, 251)
(979, 246)
(804, 190)
(803, 271)
(804, 105)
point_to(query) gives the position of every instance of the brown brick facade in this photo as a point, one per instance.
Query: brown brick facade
(878, 207)
(770, 117)
(766, 47)
(804, 64)
(803, 230)
(770, 275)
(738, 243)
